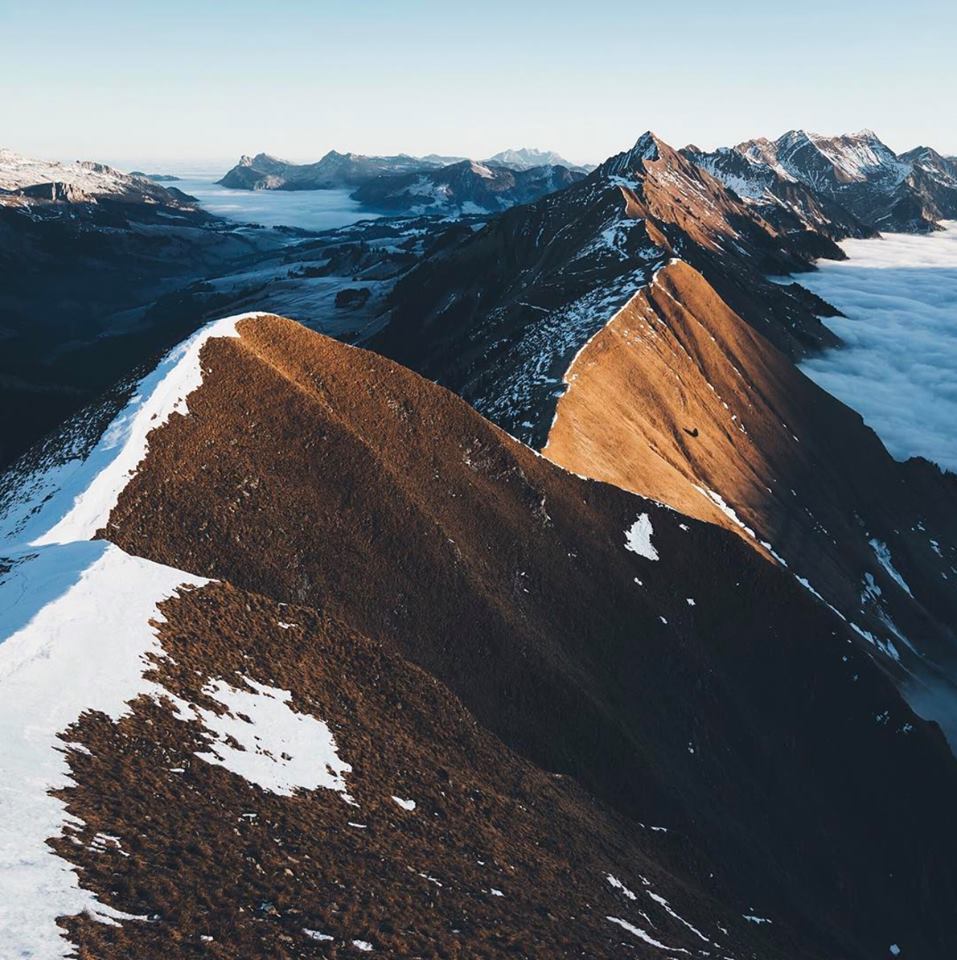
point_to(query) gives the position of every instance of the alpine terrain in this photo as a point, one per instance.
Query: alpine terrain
(482, 581)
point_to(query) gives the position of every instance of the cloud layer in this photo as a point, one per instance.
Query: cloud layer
(899, 366)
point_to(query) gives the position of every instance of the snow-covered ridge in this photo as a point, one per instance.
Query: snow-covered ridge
(71, 501)
(861, 155)
(77, 625)
(74, 634)
(850, 158)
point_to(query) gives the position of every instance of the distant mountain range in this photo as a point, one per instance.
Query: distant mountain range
(852, 184)
(407, 184)
(526, 157)
(466, 186)
(854, 175)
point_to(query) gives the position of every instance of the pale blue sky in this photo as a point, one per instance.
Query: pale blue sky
(171, 80)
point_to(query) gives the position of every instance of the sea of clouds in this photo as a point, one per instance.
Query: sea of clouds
(308, 209)
(898, 367)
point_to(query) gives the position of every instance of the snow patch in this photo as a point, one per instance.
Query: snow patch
(883, 554)
(644, 936)
(74, 633)
(280, 750)
(316, 935)
(618, 885)
(638, 538)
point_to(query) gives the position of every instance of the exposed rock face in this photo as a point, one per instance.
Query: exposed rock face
(57, 190)
(469, 621)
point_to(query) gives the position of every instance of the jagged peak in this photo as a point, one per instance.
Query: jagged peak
(924, 152)
(647, 147)
(797, 136)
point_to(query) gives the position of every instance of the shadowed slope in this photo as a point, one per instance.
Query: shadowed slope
(703, 689)
(677, 398)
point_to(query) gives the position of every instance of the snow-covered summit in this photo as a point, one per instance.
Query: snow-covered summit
(865, 177)
(816, 159)
(524, 158)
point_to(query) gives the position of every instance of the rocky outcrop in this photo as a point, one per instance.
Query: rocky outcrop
(56, 191)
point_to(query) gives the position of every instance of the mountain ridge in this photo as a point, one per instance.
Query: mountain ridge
(427, 690)
(219, 476)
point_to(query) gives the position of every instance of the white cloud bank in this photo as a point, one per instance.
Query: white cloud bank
(899, 368)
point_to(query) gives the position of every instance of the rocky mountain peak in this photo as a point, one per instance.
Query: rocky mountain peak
(648, 147)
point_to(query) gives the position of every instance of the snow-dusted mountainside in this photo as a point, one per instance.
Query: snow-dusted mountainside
(826, 162)
(499, 316)
(777, 196)
(347, 670)
(523, 158)
(465, 187)
(24, 181)
(697, 402)
(856, 172)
